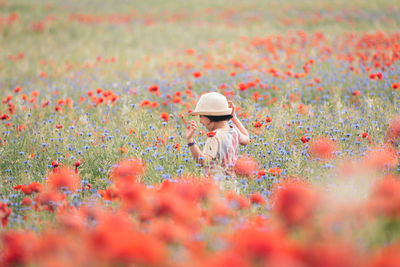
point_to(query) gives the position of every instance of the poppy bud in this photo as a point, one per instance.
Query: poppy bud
(55, 164)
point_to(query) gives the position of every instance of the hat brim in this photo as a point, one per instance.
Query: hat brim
(212, 113)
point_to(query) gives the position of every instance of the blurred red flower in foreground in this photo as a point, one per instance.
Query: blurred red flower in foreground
(257, 198)
(264, 246)
(117, 239)
(380, 157)
(246, 166)
(128, 169)
(49, 200)
(64, 177)
(385, 197)
(18, 248)
(294, 202)
(322, 147)
(4, 213)
(393, 131)
(387, 256)
(332, 252)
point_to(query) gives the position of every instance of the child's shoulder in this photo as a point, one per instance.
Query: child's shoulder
(225, 132)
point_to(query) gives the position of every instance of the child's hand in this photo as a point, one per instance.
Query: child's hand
(233, 107)
(190, 129)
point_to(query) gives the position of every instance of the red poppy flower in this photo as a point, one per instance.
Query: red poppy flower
(305, 139)
(365, 135)
(153, 89)
(190, 51)
(257, 124)
(237, 201)
(36, 187)
(261, 173)
(145, 103)
(322, 147)
(4, 117)
(243, 86)
(164, 116)
(128, 169)
(275, 171)
(26, 201)
(64, 178)
(197, 74)
(295, 203)
(76, 165)
(211, 134)
(256, 198)
(33, 187)
(246, 166)
(55, 164)
(5, 213)
(109, 194)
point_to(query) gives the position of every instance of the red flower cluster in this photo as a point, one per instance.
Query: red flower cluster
(33, 187)
(154, 225)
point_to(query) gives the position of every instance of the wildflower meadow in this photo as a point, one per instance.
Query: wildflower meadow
(95, 98)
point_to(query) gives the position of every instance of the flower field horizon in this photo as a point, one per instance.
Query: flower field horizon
(95, 98)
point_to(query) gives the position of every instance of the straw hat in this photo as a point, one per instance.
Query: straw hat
(212, 104)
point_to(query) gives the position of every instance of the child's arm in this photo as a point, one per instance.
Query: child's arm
(194, 149)
(246, 139)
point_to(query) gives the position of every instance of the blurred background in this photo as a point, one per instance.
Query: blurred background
(79, 30)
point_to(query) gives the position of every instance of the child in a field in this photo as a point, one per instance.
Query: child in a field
(220, 151)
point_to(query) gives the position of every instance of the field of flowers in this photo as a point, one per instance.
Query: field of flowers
(95, 98)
